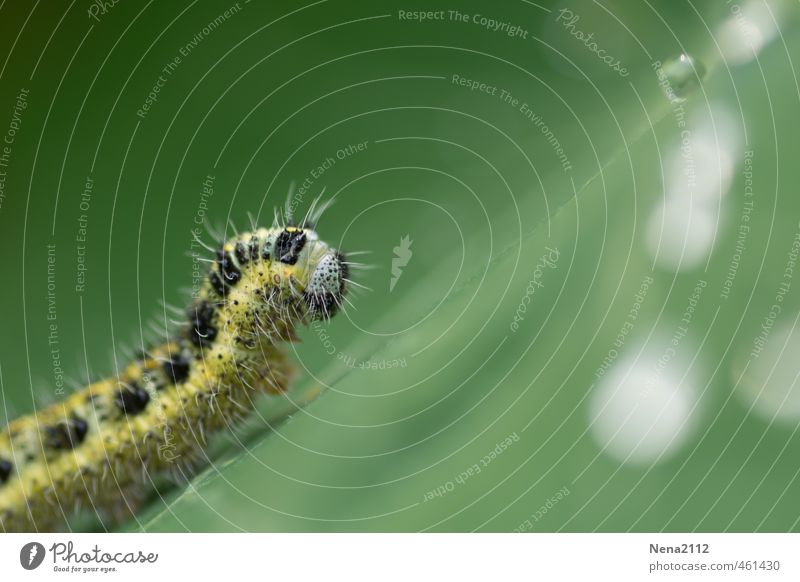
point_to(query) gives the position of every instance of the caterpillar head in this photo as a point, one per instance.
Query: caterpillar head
(268, 281)
(320, 272)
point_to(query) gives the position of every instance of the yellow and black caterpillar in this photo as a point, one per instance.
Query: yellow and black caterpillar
(99, 449)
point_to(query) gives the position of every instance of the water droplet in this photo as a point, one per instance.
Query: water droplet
(683, 74)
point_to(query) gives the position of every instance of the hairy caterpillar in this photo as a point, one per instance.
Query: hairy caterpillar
(99, 448)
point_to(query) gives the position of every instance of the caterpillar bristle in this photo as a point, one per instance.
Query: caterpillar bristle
(288, 213)
(216, 233)
(233, 229)
(196, 238)
(252, 221)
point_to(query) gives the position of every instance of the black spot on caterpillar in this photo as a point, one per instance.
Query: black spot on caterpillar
(66, 434)
(289, 244)
(132, 399)
(176, 369)
(227, 268)
(5, 470)
(99, 448)
(202, 330)
(242, 254)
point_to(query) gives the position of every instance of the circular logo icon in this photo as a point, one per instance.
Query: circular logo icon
(31, 555)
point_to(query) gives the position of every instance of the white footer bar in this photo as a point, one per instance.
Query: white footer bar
(402, 557)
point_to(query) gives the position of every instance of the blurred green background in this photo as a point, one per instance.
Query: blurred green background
(595, 329)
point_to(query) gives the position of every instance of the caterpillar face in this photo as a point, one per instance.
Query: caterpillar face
(269, 281)
(320, 271)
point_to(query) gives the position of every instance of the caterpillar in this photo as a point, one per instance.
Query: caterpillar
(100, 448)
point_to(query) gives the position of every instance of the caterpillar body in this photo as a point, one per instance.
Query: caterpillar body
(101, 447)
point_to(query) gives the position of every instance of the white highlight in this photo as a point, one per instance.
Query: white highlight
(640, 413)
(771, 384)
(680, 235)
(698, 173)
(747, 31)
